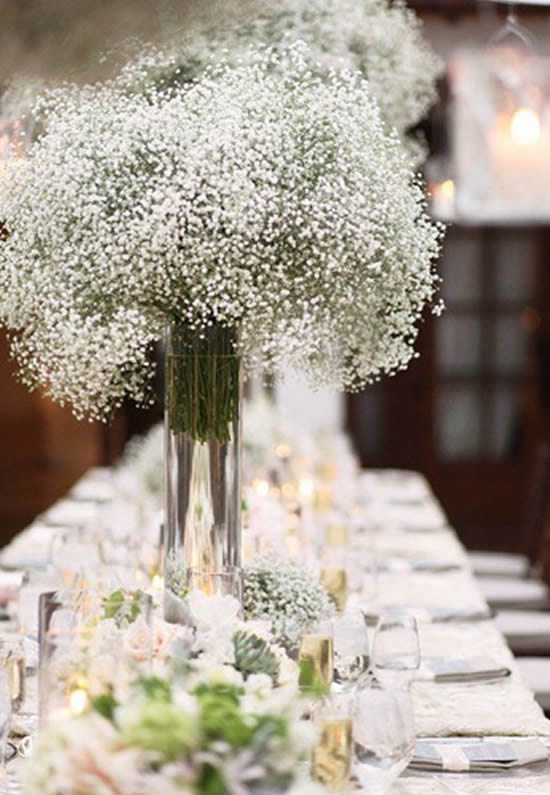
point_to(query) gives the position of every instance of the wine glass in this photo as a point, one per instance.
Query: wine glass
(396, 650)
(383, 735)
(351, 650)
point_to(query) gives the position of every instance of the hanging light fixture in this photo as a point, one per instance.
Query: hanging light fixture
(501, 127)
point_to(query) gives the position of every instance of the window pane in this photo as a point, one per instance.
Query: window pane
(505, 430)
(460, 269)
(369, 421)
(511, 346)
(514, 277)
(458, 344)
(458, 422)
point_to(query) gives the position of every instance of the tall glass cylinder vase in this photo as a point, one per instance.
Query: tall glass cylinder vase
(203, 459)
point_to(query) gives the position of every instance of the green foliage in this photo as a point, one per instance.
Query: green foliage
(253, 655)
(123, 606)
(105, 705)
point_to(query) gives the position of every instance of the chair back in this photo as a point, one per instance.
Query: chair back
(536, 523)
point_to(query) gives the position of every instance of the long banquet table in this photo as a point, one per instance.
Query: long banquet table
(405, 522)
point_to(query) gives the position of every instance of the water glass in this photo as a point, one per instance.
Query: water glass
(75, 557)
(383, 735)
(90, 644)
(396, 650)
(351, 650)
(185, 588)
(34, 583)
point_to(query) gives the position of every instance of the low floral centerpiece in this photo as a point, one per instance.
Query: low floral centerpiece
(209, 732)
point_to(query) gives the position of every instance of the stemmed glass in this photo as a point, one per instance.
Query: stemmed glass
(351, 650)
(396, 650)
(383, 735)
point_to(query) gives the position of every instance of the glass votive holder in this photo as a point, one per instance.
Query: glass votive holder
(34, 583)
(90, 644)
(332, 757)
(335, 583)
(187, 588)
(316, 657)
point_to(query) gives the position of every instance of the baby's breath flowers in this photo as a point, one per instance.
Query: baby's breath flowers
(287, 596)
(268, 203)
(381, 39)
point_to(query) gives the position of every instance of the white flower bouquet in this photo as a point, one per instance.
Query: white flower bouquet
(207, 735)
(259, 211)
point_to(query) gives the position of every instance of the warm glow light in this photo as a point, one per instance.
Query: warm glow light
(283, 450)
(288, 490)
(261, 487)
(157, 582)
(306, 488)
(78, 701)
(525, 127)
(447, 189)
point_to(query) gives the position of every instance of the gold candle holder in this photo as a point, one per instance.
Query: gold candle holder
(335, 583)
(318, 652)
(332, 757)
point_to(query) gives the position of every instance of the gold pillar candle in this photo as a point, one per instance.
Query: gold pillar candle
(15, 675)
(335, 583)
(318, 652)
(323, 499)
(332, 757)
(337, 535)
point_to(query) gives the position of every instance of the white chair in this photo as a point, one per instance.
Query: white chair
(536, 675)
(499, 564)
(527, 632)
(514, 593)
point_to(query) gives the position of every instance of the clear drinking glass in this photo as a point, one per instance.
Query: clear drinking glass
(5, 714)
(187, 584)
(351, 650)
(34, 583)
(383, 735)
(90, 644)
(396, 650)
(75, 555)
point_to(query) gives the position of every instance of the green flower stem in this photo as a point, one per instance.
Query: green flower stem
(203, 383)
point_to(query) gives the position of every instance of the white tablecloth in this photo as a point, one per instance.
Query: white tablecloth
(404, 519)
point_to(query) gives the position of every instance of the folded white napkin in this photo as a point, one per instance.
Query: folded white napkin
(425, 615)
(477, 756)
(71, 512)
(473, 669)
(408, 565)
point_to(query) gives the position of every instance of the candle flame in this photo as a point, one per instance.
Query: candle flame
(78, 701)
(525, 127)
(447, 189)
(261, 487)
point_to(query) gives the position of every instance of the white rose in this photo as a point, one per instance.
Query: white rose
(137, 642)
